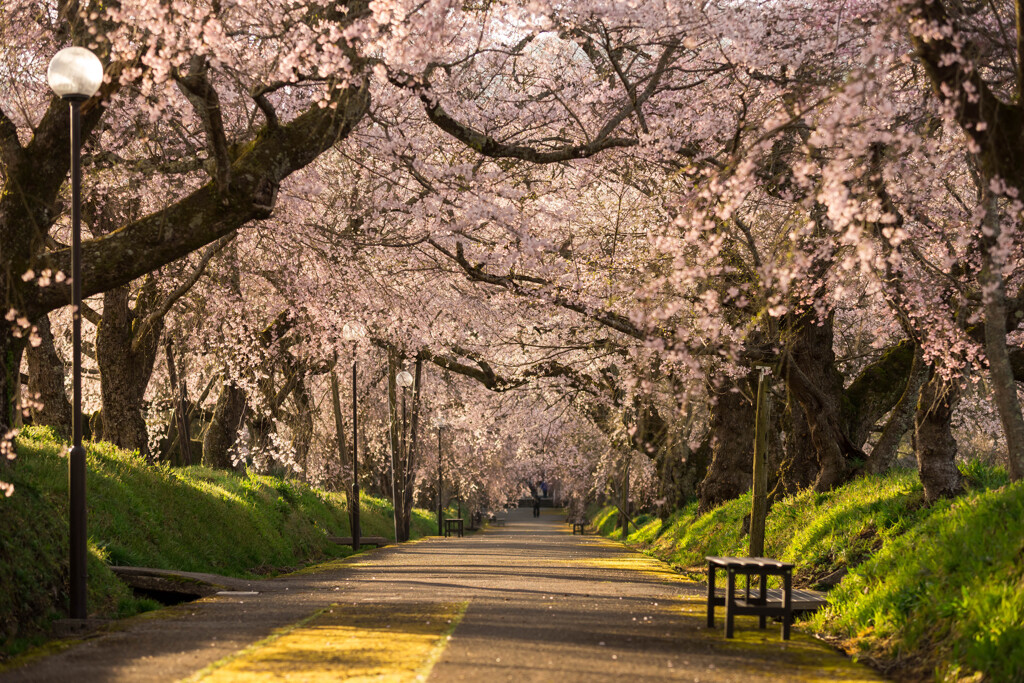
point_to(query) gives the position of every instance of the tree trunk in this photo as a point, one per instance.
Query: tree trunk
(884, 454)
(934, 444)
(624, 514)
(46, 374)
(124, 372)
(222, 432)
(301, 424)
(797, 467)
(680, 469)
(180, 416)
(810, 373)
(1004, 386)
(732, 438)
(11, 348)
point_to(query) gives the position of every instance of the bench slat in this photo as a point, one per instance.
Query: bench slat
(747, 562)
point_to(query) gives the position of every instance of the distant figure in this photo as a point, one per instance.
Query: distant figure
(544, 489)
(536, 507)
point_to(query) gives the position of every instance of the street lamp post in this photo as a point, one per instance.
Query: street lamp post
(353, 332)
(75, 74)
(440, 481)
(404, 380)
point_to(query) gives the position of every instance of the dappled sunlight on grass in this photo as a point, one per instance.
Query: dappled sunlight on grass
(379, 642)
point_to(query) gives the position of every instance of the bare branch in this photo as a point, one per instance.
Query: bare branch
(160, 311)
(204, 99)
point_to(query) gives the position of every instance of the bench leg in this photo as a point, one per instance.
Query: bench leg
(730, 597)
(763, 597)
(711, 596)
(787, 603)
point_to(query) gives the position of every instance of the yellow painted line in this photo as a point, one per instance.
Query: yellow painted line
(347, 642)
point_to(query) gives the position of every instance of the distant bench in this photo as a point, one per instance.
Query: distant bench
(453, 526)
(377, 541)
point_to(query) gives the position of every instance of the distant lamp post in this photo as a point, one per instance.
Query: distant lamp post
(352, 332)
(440, 481)
(404, 380)
(75, 74)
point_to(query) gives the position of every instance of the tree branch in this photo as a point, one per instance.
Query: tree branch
(206, 214)
(206, 103)
(165, 305)
(511, 283)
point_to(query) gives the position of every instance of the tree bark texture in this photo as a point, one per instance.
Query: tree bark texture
(1004, 386)
(901, 420)
(124, 371)
(796, 466)
(46, 375)
(180, 415)
(732, 439)
(222, 432)
(935, 445)
(809, 370)
(300, 423)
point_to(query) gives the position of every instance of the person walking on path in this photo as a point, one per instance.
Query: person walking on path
(536, 506)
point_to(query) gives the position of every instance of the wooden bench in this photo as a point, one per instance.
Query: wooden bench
(453, 525)
(758, 605)
(377, 541)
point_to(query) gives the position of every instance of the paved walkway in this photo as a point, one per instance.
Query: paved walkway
(537, 603)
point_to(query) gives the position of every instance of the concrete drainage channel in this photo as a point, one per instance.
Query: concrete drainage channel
(173, 588)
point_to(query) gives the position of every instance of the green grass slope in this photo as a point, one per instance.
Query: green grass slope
(934, 592)
(190, 519)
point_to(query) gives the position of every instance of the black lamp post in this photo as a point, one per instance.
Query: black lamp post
(440, 481)
(353, 332)
(404, 380)
(75, 74)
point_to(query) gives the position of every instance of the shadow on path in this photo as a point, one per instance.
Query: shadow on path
(542, 605)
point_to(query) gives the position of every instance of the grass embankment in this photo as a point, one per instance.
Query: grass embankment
(932, 592)
(189, 519)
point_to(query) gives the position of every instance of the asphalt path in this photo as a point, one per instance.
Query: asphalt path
(541, 604)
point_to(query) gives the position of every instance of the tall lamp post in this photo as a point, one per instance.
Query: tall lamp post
(353, 332)
(75, 74)
(404, 380)
(440, 481)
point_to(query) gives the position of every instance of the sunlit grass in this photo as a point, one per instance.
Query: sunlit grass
(935, 591)
(188, 519)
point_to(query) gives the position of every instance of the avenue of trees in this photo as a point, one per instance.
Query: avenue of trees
(583, 227)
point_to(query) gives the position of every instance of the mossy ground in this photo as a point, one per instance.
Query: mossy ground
(933, 591)
(190, 519)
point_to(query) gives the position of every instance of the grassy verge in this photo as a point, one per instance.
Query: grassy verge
(190, 519)
(932, 592)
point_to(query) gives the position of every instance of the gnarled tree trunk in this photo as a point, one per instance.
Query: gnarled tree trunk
(222, 432)
(883, 456)
(810, 373)
(732, 443)
(46, 375)
(125, 371)
(798, 467)
(934, 444)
